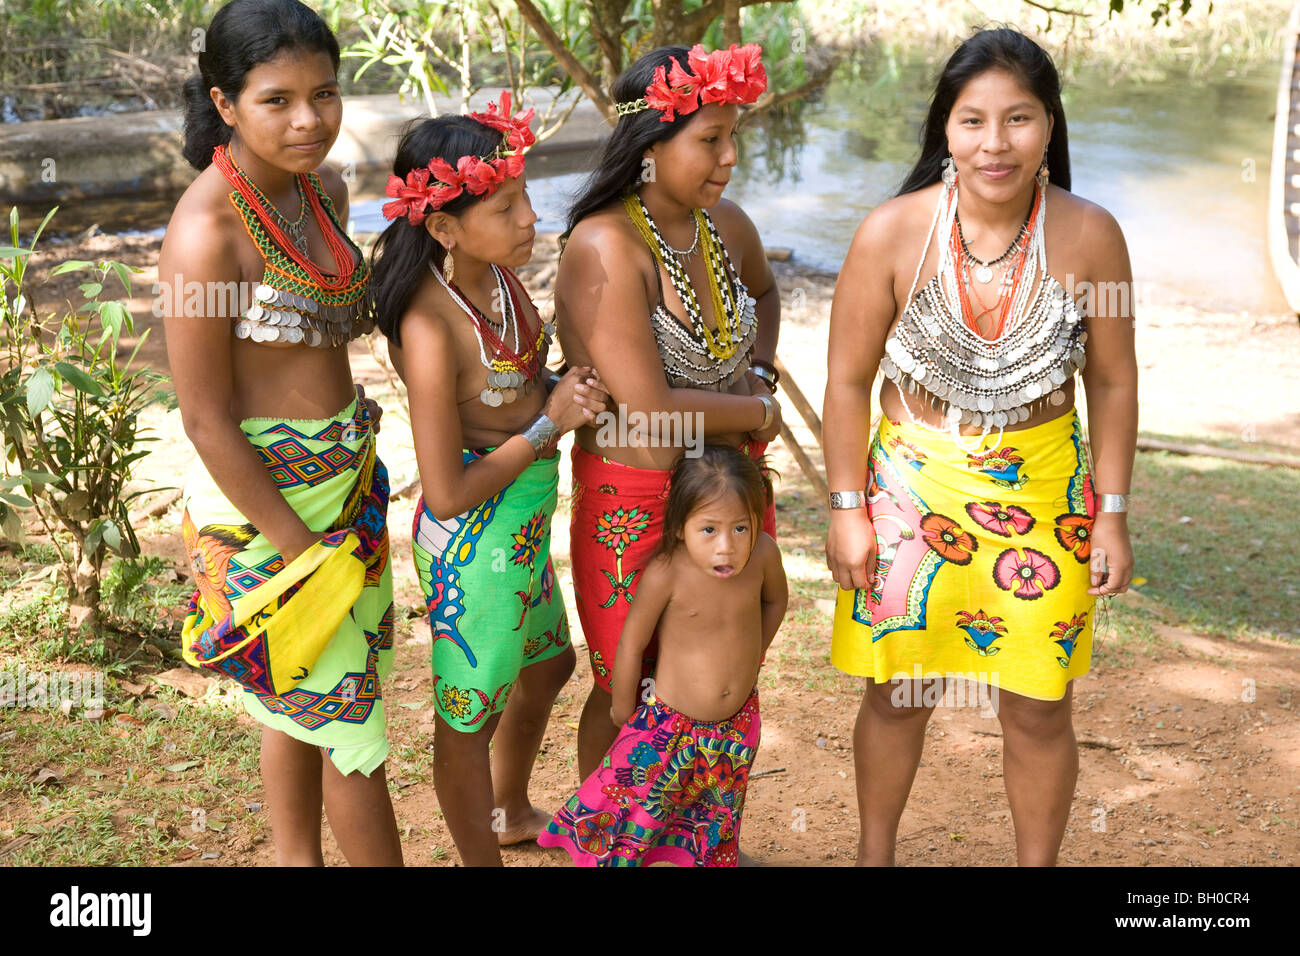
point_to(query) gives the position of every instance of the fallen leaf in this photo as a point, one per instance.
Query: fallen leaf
(132, 688)
(183, 766)
(162, 711)
(413, 704)
(211, 855)
(186, 681)
(215, 825)
(186, 854)
(571, 724)
(126, 720)
(1137, 582)
(45, 775)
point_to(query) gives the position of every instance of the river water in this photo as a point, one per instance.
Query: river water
(1183, 166)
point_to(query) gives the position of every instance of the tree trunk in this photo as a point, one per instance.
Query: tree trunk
(83, 598)
(730, 22)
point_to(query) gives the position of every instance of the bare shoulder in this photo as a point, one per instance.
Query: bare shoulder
(1080, 215)
(604, 236)
(203, 231)
(657, 578)
(1090, 242)
(732, 221)
(899, 219)
(767, 550)
(332, 181)
(425, 324)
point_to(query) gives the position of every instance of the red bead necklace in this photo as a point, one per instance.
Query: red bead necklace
(257, 200)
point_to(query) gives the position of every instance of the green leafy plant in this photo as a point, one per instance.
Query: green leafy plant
(70, 411)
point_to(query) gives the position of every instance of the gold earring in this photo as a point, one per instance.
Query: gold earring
(449, 264)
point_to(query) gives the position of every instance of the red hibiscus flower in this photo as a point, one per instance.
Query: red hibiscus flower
(713, 71)
(479, 177)
(1074, 532)
(947, 538)
(748, 78)
(660, 95)
(1002, 520)
(411, 196)
(512, 166)
(1031, 574)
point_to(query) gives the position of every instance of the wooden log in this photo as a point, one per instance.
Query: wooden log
(1209, 451)
(810, 416)
(806, 465)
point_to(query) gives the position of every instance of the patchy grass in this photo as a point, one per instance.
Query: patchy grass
(1215, 541)
(142, 786)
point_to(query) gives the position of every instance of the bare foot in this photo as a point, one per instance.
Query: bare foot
(524, 829)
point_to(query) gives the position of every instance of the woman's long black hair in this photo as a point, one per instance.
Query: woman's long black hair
(620, 166)
(243, 34)
(998, 49)
(402, 253)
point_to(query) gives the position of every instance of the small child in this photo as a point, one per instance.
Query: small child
(672, 786)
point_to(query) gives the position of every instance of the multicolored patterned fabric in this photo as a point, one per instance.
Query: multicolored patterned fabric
(489, 585)
(615, 527)
(670, 789)
(329, 473)
(981, 560)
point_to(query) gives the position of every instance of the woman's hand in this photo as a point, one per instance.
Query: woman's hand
(1110, 537)
(851, 548)
(376, 412)
(774, 428)
(576, 399)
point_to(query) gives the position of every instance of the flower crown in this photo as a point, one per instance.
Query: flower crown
(723, 76)
(428, 188)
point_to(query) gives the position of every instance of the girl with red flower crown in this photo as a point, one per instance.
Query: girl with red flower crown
(677, 308)
(486, 414)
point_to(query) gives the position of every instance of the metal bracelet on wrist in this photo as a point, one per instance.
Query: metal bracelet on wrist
(1112, 504)
(764, 374)
(845, 500)
(541, 432)
(769, 411)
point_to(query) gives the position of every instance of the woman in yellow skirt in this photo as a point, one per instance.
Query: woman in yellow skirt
(972, 535)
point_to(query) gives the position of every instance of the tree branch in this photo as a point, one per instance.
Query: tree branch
(1047, 9)
(817, 80)
(564, 56)
(697, 21)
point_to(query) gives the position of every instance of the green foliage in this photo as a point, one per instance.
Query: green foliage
(456, 47)
(138, 592)
(70, 413)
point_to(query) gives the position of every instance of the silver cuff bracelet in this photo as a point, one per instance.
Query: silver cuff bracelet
(541, 432)
(1113, 504)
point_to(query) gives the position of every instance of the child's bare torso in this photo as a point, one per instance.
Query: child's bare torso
(710, 640)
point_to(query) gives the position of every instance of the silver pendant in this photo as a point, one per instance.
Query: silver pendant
(984, 274)
(490, 397)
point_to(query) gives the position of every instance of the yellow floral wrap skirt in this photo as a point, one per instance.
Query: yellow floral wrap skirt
(981, 560)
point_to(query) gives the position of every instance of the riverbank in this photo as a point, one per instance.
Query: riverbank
(1188, 740)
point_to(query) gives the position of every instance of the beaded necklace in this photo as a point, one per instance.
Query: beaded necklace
(722, 343)
(510, 372)
(290, 305)
(936, 346)
(256, 200)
